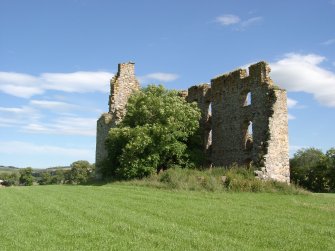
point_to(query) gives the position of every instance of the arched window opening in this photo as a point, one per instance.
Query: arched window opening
(208, 140)
(250, 130)
(248, 138)
(247, 100)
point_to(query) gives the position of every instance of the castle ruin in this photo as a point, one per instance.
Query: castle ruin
(244, 118)
(122, 85)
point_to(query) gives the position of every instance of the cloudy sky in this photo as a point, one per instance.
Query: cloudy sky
(57, 57)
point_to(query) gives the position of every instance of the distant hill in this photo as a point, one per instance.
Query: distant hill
(13, 168)
(8, 168)
(58, 167)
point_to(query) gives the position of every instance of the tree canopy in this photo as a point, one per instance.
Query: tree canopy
(314, 170)
(80, 172)
(155, 134)
(26, 177)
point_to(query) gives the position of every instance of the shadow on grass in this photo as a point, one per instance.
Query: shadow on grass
(96, 182)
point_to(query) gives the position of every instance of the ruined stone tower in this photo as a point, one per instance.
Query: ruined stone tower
(248, 121)
(122, 85)
(244, 118)
(202, 95)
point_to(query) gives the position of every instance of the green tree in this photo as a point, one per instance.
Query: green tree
(51, 177)
(58, 176)
(154, 134)
(331, 168)
(308, 157)
(45, 178)
(80, 172)
(314, 170)
(26, 176)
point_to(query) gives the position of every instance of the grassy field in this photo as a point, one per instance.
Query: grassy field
(125, 217)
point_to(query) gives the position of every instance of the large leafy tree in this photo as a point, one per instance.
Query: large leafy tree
(314, 170)
(330, 154)
(154, 135)
(80, 172)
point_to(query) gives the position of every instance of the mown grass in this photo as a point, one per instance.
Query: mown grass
(127, 217)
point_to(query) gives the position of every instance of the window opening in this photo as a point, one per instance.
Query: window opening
(247, 99)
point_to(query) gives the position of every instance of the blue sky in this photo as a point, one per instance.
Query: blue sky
(56, 59)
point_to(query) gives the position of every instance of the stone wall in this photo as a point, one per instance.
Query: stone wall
(122, 85)
(104, 123)
(277, 156)
(202, 95)
(248, 121)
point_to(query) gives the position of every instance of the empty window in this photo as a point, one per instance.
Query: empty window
(248, 135)
(250, 128)
(247, 99)
(210, 108)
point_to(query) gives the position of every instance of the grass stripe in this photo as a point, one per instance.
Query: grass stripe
(124, 217)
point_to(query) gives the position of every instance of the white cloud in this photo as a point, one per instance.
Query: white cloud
(251, 21)
(26, 86)
(53, 105)
(158, 76)
(237, 22)
(329, 42)
(30, 119)
(11, 109)
(290, 116)
(33, 152)
(14, 116)
(64, 125)
(7, 122)
(20, 85)
(79, 82)
(228, 19)
(303, 73)
(291, 103)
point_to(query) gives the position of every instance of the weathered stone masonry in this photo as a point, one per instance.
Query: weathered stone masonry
(122, 85)
(202, 95)
(248, 121)
(244, 118)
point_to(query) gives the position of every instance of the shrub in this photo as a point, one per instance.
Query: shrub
(234, 179)
(10, 178)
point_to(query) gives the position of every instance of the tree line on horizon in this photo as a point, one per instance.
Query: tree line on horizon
(80, 172)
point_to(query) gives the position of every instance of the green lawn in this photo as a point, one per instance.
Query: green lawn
(125, 217)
